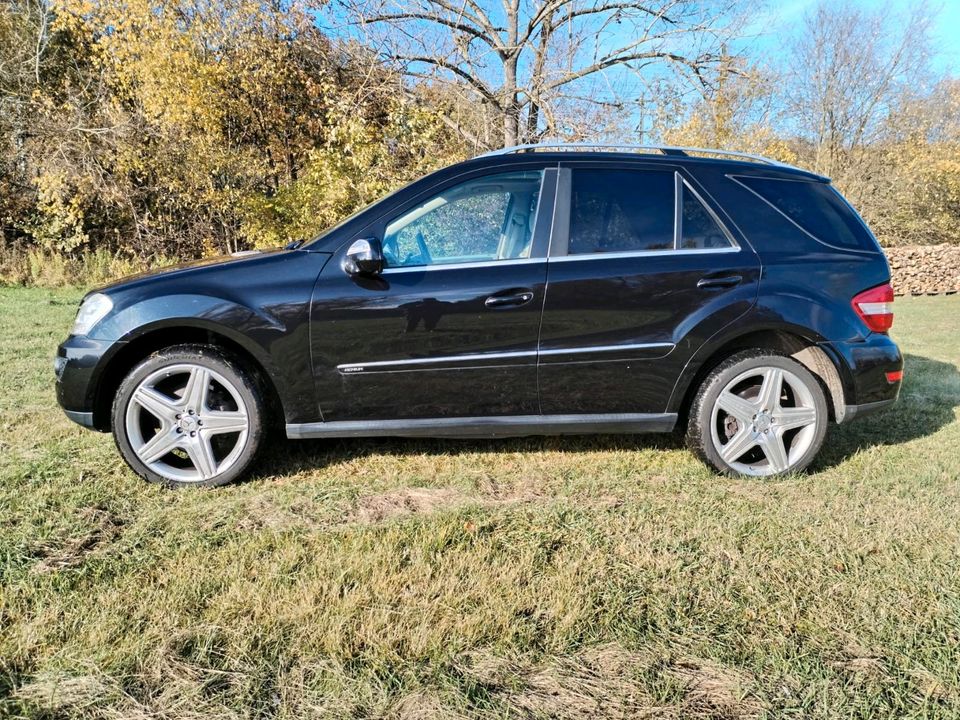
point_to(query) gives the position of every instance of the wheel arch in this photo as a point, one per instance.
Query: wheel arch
(149, 340)
(799, 345)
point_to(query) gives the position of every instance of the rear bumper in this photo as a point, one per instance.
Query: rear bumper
(855, 411)
(863, 368)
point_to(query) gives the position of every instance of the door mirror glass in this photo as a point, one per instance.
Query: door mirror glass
(363, 257)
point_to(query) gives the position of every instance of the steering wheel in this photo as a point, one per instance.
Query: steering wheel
(424, 250)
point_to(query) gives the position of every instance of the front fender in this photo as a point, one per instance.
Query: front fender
(231, 319)
(276, 338)
(260, 305)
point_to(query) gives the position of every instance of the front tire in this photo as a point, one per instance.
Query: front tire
(188, 415)
(758, 414)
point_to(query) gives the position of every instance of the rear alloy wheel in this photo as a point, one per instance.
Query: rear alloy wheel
(188, 416)
(758, 414)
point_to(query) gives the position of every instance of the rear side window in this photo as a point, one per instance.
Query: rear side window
(621, 211)
(699, 230)
(638, 211)
(816, 208)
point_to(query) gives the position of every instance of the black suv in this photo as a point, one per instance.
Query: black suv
(532, 290)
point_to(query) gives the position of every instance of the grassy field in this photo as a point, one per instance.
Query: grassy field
(566, 578)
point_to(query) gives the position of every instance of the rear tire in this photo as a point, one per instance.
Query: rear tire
(188, 415)
(758, 414)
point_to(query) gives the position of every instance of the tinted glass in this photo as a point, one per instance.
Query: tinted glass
(698, 229)
(815, 207)
(621, 211)
(490, 218)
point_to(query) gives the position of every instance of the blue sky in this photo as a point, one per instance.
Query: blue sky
(781, 17)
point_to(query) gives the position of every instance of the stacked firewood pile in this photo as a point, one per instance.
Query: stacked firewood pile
(925, 269)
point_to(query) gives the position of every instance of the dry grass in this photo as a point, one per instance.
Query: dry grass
(537, 578)
(42, 268)
(101, 527)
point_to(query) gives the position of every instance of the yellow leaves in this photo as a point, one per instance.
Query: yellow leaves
(69, 15)
(191, 125)
(57, 223)
(758, 139)
(359, 162)
(777, 148)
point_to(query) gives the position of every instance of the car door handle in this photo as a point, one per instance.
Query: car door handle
(514, 298)
(719, 282)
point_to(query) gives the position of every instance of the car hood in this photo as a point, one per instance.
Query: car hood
(237, 258)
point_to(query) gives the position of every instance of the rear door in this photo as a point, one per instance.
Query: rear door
(643, 268)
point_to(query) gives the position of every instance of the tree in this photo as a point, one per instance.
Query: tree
(535, 66)
(846, 72)
(865, 108)
(915, 189)
(24, 40)
(183, 127)
(737, 112)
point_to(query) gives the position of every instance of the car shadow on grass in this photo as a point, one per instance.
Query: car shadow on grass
(930, 394)
(928, 401)
(294, 456)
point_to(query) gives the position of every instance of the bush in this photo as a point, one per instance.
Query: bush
(43, 268)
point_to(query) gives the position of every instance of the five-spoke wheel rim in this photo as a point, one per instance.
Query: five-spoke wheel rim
(764, 421)
(187, 423)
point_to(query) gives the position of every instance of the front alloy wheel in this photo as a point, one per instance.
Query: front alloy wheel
(188, 416)
(758, 414)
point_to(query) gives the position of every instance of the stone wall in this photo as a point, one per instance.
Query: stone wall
(925, 269)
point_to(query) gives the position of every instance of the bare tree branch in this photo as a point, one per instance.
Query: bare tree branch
(529, 50)
(459, 72)
(605, 8)
(622, 58)
(431, 17)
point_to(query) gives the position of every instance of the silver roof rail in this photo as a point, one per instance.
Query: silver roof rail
(664, 149)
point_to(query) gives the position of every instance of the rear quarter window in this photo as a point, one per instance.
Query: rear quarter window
(816, 208)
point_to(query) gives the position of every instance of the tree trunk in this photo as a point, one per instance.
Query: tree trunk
(539, 62)
(533, 122)
(511, 110)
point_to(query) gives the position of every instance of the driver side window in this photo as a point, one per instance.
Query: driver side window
(488, 218)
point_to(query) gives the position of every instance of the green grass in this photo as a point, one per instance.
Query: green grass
(529, 578)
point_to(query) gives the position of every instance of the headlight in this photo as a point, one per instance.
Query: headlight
(92, 311)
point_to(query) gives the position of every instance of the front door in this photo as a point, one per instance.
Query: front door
(645, 272)
(450, 327)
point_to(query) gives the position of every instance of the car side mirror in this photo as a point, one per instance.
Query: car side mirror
(364, 257)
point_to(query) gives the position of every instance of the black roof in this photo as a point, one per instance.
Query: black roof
(729, 164)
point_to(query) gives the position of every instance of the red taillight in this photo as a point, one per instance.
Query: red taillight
(895, 376)
(875, 307)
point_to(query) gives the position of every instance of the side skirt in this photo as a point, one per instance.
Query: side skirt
(488, 427)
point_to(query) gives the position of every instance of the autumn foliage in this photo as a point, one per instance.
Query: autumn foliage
(176, 129)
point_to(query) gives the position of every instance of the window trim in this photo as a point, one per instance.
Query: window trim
(547, 186)
(644, 253)
(559, 247)
(677, 210)
(465, 265)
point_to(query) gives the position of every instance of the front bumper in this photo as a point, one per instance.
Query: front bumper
(78, 367)
(864, 366)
